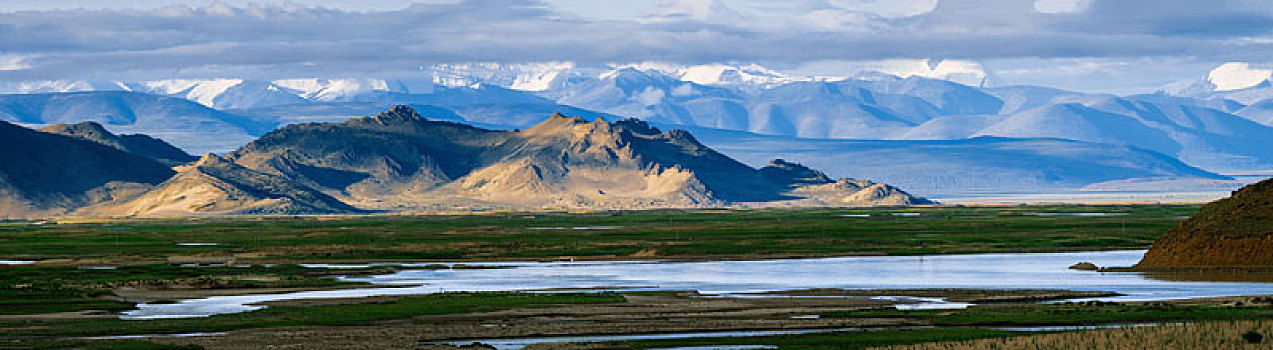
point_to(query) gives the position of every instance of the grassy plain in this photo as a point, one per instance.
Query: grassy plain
(724, 233)
(136, 252)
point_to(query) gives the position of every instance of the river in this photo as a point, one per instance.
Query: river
(970, 271)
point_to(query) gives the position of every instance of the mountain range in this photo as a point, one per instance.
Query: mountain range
(1201, 132)
(398, 160)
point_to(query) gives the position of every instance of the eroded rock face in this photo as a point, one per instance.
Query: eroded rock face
(1231, 232)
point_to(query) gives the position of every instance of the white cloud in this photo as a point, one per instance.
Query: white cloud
(1062, 6)
(14, 62)
(887, 8)
(282, 41)
(1237, 75)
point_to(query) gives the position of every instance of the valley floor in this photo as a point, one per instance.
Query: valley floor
(67, 280)
(728, 233)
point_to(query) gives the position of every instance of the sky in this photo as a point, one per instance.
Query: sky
(1120, 46)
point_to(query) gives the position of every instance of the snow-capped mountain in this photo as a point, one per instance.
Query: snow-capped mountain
(236, 93)
(1215, 134)
(1238, 81)
(525, 77)
(865, 107)
(725, 75)
(47, 86)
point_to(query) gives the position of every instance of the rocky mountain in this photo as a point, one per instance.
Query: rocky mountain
(45, 174)
(186, 124)
(214, 185)
(1231, 232)
(398, 159)
(139, 144)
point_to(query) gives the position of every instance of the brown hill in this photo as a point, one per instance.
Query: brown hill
(214, 185)
(44, 174)
(1231, 232)
(400, 160)
(142, 145)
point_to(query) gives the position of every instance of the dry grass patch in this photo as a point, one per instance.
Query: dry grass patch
(1210, 335)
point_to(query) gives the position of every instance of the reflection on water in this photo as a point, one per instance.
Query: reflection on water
(973, 271)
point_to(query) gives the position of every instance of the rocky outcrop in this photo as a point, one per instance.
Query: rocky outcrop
(139, 144)
(1231, 232)
(813, 188)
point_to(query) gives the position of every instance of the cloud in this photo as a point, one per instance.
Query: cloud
(1062, 6)
(13, 62)
(289, 40)
(1237, 75)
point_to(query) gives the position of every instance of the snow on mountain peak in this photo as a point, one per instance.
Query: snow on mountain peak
(716, 74)
(526, 76)
(719, 74)
(1237, 75)
(959, 71)
(343, 89)
(204, 92)
(47, 86)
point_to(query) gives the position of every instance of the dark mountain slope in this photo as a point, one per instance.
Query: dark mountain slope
(139, 144)
(48, 174)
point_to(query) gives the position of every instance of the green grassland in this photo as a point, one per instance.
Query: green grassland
(137, 250)
(140, 247)
(662, 233)
(323, 315)
(47, 289)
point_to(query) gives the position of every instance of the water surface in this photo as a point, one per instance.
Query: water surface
(971, 271)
